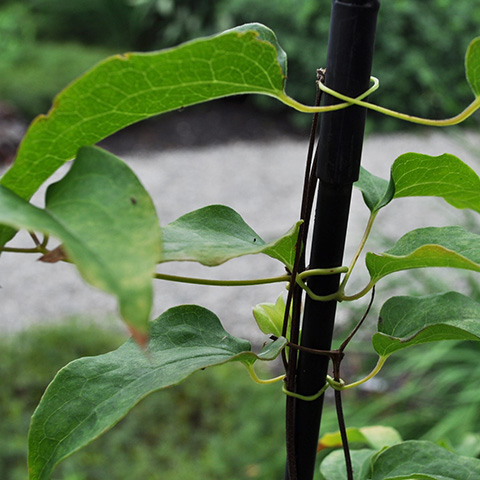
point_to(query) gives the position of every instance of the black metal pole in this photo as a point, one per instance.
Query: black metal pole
(349, 63)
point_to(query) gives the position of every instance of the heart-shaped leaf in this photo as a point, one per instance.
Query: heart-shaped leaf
(423, 460)
(418, 175)
(428, 247)
(125, 89)
(90, 395)
(214, 234)
(407, 321)
(107, 224)
(472, 65)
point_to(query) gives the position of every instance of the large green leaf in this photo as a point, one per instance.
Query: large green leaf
(428, 247)
(407, 321)
(90, 395)
(125, 89)
(472, 65)
(333, 466)
(425, 461)
(415, 175)
(107, 224)
(214, 234)
(374, 436)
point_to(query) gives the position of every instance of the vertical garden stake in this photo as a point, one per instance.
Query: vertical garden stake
(349, 63)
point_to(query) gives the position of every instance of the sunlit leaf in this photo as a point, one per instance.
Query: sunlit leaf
(428, 247)
(125, 89)
(107, 224)
(214, 234)
(375, 436)
(269, 316)
(90, 395)
(407, 321)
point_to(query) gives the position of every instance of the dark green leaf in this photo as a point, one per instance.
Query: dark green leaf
(407, 321)
(90, 395)
(428, 247)
(107, 224)
(418, 175)
(472, 65)
(212, 235)
(423, 460)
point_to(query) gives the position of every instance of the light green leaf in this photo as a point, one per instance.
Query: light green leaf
(418, 175)
(125, 89)
(472, 65)
(333, 466)
(407, 321)
(269, 316)
(90, 395)
(214, 234)
(428, 247)
(425, 461)
(107, 224)
(376, 437)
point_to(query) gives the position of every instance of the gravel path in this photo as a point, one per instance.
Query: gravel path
(262, 181)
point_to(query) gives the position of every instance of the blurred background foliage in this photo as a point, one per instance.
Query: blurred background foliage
(419, 54)
(218, 424)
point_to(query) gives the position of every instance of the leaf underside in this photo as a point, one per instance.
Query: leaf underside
(90, 395)
(107, 224)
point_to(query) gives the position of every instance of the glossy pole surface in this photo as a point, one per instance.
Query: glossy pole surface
(339, 150)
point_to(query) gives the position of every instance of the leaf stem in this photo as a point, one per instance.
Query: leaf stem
(363, 241)
(475, 105)
(222, 283)
(378, 367)
(261, 381)
(283, 97)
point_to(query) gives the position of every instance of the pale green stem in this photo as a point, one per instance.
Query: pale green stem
(306, 398)
(366, 234)
(319, 271)
(261, 381)
(475, 105)
(378, 367)
(221, 283)
(348, 298)
(330, 108)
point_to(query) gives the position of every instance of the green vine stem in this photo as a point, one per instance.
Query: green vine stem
(472, 108)
(261, 381)
(330, 108)
(306, 398)
(222, 283)
(341, 385)
(320, 271)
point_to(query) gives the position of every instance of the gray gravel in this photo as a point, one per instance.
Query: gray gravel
(262, 181)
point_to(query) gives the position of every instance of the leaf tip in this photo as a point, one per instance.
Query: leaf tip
(141, 337)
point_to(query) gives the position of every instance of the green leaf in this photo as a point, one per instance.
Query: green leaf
(472, 65)
(214, 234)
(125, 89)
(376, 437)
(269, 316)
(418, 175)
(425, 461)
(333, 466)
(407, 321)
(428, 247)
(90, 395)
(107, 224)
